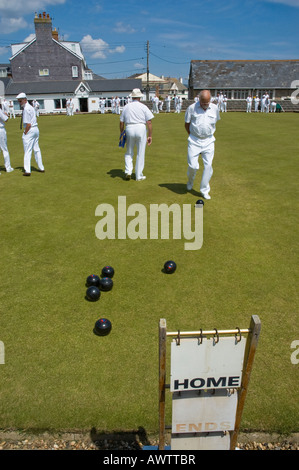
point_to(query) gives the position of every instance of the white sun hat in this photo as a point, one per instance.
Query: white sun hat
(21, 95)
(136, 93)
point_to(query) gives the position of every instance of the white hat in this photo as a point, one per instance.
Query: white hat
(136, 93)
(21, 95)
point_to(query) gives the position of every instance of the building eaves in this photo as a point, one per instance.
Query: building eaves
(27, 44)
(37, 88)
(69, 86)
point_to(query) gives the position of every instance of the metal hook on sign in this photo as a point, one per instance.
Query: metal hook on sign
(178, 342)
(239, 334)
(216, 336)
(200, 337)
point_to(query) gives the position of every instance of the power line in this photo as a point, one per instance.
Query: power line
(117, 61)
(169, 61)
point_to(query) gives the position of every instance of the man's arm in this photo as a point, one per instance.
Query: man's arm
(187, 127)
(27, 128)
(121, 126)
(150, 130)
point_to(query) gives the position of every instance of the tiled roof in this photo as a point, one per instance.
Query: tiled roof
(53, 87)
(243, 73)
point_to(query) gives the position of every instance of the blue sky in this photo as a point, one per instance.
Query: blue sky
(114, 33)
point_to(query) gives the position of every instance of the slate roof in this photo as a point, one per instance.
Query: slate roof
(243, 74)
(70, 86)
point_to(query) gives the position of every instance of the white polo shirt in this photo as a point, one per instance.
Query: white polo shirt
(202, 122)
(136, 113)
(29, 115)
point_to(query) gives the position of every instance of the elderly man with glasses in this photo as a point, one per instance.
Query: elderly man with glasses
(200, 124)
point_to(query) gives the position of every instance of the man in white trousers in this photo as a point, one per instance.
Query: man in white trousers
(11, 110)
(256, 103)
(30, 136)
(249, 104)
(136, 119)
(200, 123)
(3, 141)
(167, 101)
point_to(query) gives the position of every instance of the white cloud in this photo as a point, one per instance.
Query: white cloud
(119, 49)
(17, 6)
(120, 27)
(98, 48)
(10, 25)
(3, 50)
(12, 12)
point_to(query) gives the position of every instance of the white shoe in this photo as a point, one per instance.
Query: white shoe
(9, 170)
(205, 196)
(141, 178)
(189, 186)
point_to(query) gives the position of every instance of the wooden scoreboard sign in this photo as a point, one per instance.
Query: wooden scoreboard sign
(209, 376)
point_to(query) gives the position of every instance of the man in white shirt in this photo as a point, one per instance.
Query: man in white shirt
(136, 119)
(35, 105)
(273, 107)
(30, 136)
(102, 105)
(200, 123)
(256, 103)
(3, 141)
(71, 107)
(11, 110)
(167, 101)
(117, 105)
(263, 104)
(249, 103)
(224, 103)
(220, 107)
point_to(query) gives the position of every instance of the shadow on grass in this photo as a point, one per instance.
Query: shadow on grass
(116, 173)
(179, 188)
(20, 168)
(119, 439)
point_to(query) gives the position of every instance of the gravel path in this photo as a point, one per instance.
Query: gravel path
(10, 440)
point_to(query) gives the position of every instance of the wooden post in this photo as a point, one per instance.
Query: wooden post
(162, 378)
(252, 340)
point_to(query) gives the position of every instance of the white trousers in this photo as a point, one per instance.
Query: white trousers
(30, 143)
(136, 137)
(205, 148)
(3, 147)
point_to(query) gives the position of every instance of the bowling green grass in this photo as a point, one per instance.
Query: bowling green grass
(58, 375)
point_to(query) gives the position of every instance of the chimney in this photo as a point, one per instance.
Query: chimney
(43, 28)
(55, 34)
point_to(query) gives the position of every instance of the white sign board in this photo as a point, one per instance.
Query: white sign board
(206, 364)
(208, 441)
(211, 411)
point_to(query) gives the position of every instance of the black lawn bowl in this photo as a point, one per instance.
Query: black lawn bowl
(108, 271)
(102, 327)
(169, 267)
(200, 202)
(93, 280)
(93, 293)
(106, 284)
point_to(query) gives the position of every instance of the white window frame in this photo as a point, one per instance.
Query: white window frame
(75, 71)
(43, 72)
